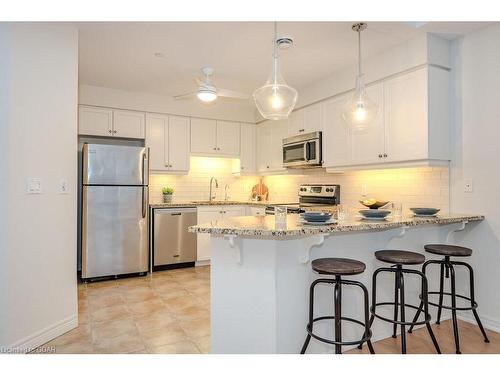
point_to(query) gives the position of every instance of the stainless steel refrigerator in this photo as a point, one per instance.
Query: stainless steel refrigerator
(114, 210)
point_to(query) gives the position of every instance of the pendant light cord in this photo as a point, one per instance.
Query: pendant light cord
(275, 53)
(359, 53)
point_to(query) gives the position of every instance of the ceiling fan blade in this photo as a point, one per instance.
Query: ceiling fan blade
(185, 96)
(198, 81)
(232, 94)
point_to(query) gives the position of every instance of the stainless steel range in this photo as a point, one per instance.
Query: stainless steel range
(311, 196)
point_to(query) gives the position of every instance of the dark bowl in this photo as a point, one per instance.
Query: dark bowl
(316, 216)
(375, 205)
(425, 210)
(375, 213)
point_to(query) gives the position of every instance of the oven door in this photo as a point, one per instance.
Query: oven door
(302, 154)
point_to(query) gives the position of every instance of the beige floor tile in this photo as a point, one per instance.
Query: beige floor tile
(167, 293)
(139, 295)
(203, 343)
(83, 318)
(109, 313)
(179, 303)
(169, 334)
(99, 301)
(157, 320)
(114, 328)
(191, 313)
(196, 328)
(83, 346)
(126, 343)
(78, 334)
(181, 347)
(146, 307)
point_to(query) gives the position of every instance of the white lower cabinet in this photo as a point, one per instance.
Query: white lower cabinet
(255, 211)
(207, 214)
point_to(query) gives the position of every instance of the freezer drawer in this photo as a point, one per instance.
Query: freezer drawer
(172, 243)
(114, 230)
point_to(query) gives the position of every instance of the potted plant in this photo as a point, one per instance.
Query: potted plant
(167, 194)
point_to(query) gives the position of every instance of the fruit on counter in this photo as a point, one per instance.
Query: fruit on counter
(373, 203)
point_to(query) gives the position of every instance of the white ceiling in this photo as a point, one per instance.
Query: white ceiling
(122, 55)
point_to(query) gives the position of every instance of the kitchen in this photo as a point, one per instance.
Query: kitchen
(180, 202)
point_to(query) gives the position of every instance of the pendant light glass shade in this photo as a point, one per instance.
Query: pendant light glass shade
(359, 111)
(275, 100)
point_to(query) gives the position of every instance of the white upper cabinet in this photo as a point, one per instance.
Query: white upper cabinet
(263, 137)
(405, 112)
(367, 145)
(228, 138)
(111, 123)
(203, 136)
(412, 126)
(270, 136)
(248, 163)
(336, 141)
(306, 120)
(168, 140)
(215, 137)
(95, 121)
(178, 143)
(128, 124)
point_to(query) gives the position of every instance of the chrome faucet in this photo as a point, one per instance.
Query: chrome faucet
(226, 192)
(211, 197)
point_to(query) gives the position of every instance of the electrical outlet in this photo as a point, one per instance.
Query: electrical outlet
(34, 185)
(63, 186)
(468, 186)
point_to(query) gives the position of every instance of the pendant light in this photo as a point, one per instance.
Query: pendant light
(360, 110)
(275, 100)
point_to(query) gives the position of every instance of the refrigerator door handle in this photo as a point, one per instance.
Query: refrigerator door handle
(145, 167)
(144, 201)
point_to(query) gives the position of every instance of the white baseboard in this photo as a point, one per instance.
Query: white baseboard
(200, 263)
(36, 339)
(491, 324)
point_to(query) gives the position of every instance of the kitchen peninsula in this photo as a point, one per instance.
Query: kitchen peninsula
(260, 276)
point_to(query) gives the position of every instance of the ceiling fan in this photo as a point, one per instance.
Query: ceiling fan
(207, 92)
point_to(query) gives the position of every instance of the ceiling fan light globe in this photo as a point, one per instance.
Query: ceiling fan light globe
(206, 96)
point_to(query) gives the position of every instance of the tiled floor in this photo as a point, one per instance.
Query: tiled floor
(166, 312)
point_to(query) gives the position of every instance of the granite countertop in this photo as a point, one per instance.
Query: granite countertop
(196, 203)
(264, 226)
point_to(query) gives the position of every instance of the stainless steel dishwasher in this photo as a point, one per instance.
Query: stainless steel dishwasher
(173, 245)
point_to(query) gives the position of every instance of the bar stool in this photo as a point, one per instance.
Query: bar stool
(398, 258)
(448, 271)
(337, 267)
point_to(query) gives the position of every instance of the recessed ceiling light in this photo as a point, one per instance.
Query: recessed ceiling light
(159, 54)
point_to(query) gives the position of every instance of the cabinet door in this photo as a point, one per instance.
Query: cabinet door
(247, 154)
(228, 138)
(156, 140)
(128, 124)
(231, 211)
(278, 132)
(296, 123)
(178, 143)
(203, 136)
(367, 145)
(263, 146)
(406, 127)
(336, 145)
(312, 118)
(95, 121)
(203, 239)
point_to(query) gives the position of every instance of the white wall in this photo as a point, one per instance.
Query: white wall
(38, 96)
(221, 109)
(476, 148)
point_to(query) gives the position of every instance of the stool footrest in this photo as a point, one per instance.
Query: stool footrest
(473, 307)
(372, 310)
(331, 317)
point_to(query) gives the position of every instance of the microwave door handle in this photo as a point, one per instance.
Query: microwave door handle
(306, 151)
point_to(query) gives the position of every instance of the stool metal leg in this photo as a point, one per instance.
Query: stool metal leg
(396, 293)
(425, 301)
(402, 299)
(441, 286)
(337, 298)
(311, 316)
(472, 299)
(454, 311)
(374, 301)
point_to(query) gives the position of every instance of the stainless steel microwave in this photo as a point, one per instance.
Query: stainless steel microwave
(303, 151)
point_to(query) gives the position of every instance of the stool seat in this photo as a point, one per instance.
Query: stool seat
(338, 266)
(448, 250)
(399, 257)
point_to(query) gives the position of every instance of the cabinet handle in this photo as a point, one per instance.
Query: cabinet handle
(218, 149)
(267, 167)
(385, 155)
(114, 131)
(110, 131)
(301, 130)
(242, 167)
(379, 155)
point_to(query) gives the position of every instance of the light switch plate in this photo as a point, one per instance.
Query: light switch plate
(63, 186)
(468, 185)
(34, 185)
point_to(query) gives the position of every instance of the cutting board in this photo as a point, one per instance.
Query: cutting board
(260, 192)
